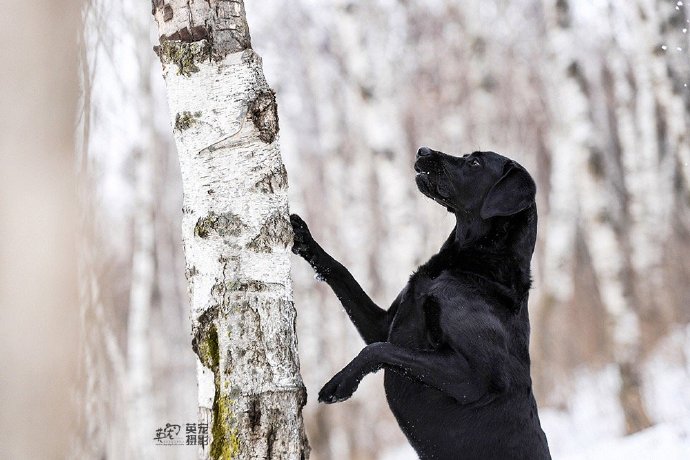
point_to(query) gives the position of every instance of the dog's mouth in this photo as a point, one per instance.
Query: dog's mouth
(423, 179)
(421, 173)
(425, 167)
(419, 169)
(428, 187)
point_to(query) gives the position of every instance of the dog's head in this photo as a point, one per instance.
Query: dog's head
(484, 183)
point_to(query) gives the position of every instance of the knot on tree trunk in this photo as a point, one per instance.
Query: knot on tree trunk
(263, 110)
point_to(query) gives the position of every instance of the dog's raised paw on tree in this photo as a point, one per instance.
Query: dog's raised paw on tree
(303, 241)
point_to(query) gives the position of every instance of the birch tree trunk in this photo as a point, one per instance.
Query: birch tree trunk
(139, 363)
(236, 232)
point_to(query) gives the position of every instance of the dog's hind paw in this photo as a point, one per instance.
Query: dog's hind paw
(339, 388)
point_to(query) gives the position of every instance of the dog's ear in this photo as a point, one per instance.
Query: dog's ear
(513, 192)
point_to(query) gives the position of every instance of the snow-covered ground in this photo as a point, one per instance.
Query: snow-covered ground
(591, 426)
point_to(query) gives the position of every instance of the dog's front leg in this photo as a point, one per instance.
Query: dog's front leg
(447, 371)
(371, 322)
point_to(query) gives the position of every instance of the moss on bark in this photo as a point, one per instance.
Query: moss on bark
(184, 55)
(185, 120)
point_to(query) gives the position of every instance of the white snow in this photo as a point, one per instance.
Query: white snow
(591, 427)
(664, 441)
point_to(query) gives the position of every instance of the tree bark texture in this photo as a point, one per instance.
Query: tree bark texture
(236, 232)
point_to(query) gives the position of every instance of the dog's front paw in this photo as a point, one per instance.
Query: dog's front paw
(303, 241)
(339, 388)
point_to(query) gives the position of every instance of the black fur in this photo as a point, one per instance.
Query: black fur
(454, 343)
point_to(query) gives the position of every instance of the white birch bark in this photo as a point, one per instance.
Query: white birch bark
(236, 232)
(92, 440)
(139, 389)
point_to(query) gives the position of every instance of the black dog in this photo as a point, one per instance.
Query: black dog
(454, 344)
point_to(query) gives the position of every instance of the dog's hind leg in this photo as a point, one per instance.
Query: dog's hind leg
(447, 371)
(371, 321)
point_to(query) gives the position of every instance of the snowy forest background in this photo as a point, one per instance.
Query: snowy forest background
(592, 97)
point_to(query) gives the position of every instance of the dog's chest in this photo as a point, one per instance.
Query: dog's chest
(412, 324)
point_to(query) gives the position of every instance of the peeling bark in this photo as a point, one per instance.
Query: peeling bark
(236, 232)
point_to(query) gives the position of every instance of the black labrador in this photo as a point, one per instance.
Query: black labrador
(454, 343)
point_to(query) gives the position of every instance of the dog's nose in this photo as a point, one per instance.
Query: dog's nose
(424, 152)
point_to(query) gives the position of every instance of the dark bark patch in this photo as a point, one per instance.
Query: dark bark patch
(575, 72)
(631, 399)
(595, 163)
(270, 440)
(275, 180)
(185, 120)
(302, 396)
(230, 30)
(228, 41)
(488, 83)
(205, 341)
(155, 4)
(187, 35)
(254, 413)
(225, 224)
(479, 46)
(563, 13)
(264, 113)
(679, 186)
(661, 130)
(167, 13)
(248, 286)
(191, 271)
(276, 231)
(659, 50)
(366, 92)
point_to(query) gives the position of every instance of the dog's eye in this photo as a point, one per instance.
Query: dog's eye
(475, 162)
